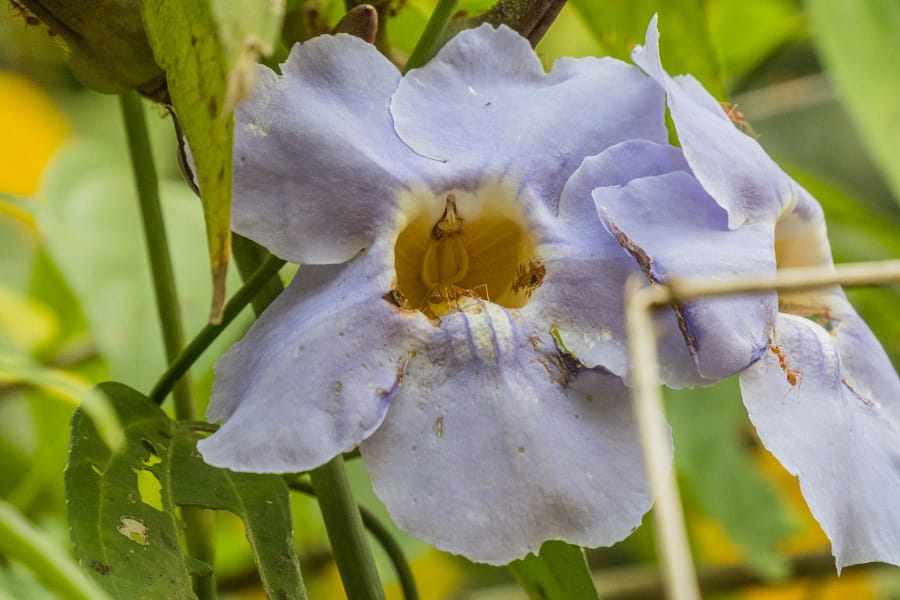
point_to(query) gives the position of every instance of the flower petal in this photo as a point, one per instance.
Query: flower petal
(672, 228)
(493, 445)
(317, 164)
(586, 268)
(842, 444)
(733, 167)
(315, 374)
(485, 105)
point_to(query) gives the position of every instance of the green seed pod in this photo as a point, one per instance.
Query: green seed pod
(105, 40)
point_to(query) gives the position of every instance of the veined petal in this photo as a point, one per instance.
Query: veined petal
(842, 444)
(317, 164)
(672, 228)
(485, 106)
(733, 167)
(315, 374)
(493, 427)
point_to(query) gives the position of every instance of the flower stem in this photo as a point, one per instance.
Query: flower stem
(381, 533)
(427, 46)
(199, 525)
(259, 287)
(249, 256)
(345, 531)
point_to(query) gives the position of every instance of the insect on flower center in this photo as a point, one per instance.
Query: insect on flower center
(477, 246)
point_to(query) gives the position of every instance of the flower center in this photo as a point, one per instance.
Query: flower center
(802, 241)
(475, 248)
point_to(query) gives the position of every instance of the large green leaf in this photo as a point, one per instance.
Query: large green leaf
(121, 506)
(208, 49)
(22, 541)
(91, 228)
(859, 42)
(685, 41)
(748, 33)
(558, 572)
(712, 456)
(70, 389)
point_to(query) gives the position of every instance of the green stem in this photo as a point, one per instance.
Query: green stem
(20, 541)
(381, 35)
(199, 525)
(257, 285)
(381, 533)
(249, 255)
(427, 46)
(157, 244)
(345, 531)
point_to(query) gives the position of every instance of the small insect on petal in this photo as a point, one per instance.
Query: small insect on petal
(793, 377)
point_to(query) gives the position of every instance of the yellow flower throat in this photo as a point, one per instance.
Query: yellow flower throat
(490, 256)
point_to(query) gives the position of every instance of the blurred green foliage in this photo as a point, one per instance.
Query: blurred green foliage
(75, 294)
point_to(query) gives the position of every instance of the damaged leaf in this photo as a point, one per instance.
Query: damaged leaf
(208, 51)
(127, 533)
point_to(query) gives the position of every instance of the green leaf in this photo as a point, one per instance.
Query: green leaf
(747, 33)
(208, 50)
(19, 540)
(558, 572)
(121, 506)
(859, 43)
(93, 242)
(709, 428)
(686, 46)
(68, 388)
(25, 323)
(17, 244)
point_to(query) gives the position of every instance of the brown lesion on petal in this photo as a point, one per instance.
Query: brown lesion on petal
(866, 401)
(529, 277)
(395, 298)
(646, 264)
(636, 252)
(818, 312)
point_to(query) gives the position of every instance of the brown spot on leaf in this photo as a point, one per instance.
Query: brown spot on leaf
(100, 567)
(134, 529)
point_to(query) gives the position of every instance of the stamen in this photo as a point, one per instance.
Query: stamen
(446, 259)
(451, 263)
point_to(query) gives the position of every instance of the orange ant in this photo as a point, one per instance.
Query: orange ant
(737, 117)
(793, 377)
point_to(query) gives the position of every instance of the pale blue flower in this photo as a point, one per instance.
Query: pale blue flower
(447, 234)
(820, 389)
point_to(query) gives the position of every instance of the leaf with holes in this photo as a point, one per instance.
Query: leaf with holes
(121, 506)
(208, 50)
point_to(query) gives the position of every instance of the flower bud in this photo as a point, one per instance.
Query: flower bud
(108, 50)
